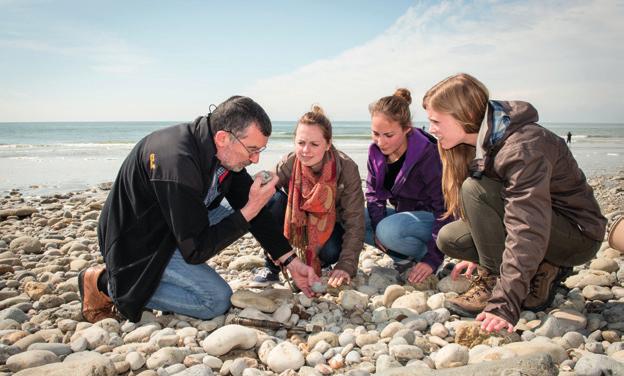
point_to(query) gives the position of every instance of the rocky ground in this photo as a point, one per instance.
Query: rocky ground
(376, 325)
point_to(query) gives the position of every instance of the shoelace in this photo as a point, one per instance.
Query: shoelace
(536, 281)
(265, 272)
(116, 312)
(478, 286)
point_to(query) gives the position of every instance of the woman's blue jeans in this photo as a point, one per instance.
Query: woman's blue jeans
(329, 252)
(404, 233)
(193, 290)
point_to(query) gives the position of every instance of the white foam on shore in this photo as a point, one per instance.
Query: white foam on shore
(63, 167)
(85, 145)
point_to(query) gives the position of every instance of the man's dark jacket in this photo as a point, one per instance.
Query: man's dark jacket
(157, 204)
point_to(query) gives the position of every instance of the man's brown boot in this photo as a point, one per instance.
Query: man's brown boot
(473, 301)
(95, 305)
(543, 286)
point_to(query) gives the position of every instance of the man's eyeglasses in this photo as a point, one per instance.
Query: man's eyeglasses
(250, 152)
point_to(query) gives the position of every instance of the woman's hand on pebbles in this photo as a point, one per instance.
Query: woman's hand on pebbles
(493, 323)
(461, 266)
(337, 277)
(303, 276)
(419, 272)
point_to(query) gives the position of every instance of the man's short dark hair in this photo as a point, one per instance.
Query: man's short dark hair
(236, 114)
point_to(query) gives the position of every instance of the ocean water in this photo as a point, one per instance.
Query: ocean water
(43, 158)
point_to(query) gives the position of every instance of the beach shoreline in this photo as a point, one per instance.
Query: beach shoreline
(61, 175)
(48, 158)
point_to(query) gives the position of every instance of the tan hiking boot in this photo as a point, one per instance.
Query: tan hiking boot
(95, 305)
(473, 301)
(543, 285)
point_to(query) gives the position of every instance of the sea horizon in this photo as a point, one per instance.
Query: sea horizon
(41, 158)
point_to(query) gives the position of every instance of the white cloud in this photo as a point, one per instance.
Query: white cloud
(101, 53)
(565, 57)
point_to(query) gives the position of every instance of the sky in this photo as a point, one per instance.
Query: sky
(169, 60)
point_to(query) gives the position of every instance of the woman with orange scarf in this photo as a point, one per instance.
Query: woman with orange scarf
(320, 201)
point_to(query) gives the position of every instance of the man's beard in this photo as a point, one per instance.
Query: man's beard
(236, 168)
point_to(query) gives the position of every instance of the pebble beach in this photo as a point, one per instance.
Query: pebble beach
(378, 324)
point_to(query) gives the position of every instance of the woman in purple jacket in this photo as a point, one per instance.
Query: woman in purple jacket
(404, 169)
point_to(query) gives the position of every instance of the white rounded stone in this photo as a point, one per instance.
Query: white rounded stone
(141, 334)
(314, 358)
(282, 314)
(212, 362)
(30, 359)
(265, 349)
(451, 355)
(406, 352)
(285, 356)
(436, 301)
(95, 336)
(416, 301)
(536, 346)
(353, 357)
(165, 357)
(439, 330)
(391, 294)
(346, 338)
(229, 337)
(349, 299)
(135, 359)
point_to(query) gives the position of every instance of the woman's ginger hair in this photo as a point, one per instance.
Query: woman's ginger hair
(395, 107)
(464, 98)
(316, 116)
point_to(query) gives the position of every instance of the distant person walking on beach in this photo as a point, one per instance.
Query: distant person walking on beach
(404, 170)
(321, 205)
(527, 212)
(163, 218)
(569, 138)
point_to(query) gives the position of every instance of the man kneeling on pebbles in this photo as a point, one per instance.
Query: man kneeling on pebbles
(164, 219)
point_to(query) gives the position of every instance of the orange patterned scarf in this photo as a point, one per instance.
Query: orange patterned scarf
(311, 209)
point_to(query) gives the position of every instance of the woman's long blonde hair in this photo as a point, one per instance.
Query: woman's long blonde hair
(464, 98)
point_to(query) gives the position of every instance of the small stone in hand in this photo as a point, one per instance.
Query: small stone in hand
(266, 177)
(319, 287)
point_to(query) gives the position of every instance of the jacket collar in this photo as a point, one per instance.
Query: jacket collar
(416, 148)
(501, 120)
(206, 145)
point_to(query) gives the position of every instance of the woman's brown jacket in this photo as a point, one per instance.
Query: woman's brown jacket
(349, 205)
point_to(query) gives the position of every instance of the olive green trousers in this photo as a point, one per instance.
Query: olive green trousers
(481, 239)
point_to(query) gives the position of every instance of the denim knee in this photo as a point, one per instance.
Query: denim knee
(221, 301)
(387, 231)
(216, 301)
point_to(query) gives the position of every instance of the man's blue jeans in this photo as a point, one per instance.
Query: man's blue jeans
(193, 290)
(406, 233)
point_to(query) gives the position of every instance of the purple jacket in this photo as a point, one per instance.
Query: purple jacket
(417, 187)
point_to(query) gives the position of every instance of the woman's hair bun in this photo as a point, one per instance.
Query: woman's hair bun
(404, 93)
(317, 109)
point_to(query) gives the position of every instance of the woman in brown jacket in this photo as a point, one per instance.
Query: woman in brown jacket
(321, 205)
(527, 214)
